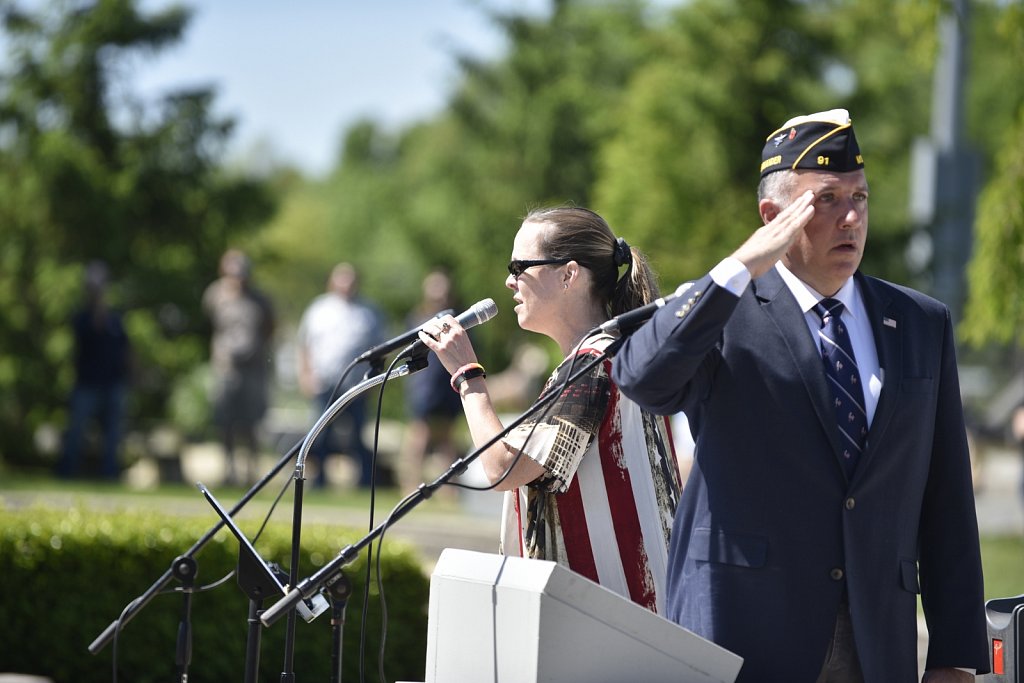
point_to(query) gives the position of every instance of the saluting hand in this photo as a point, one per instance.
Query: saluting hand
(769, 242)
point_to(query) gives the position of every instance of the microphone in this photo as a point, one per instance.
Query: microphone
(396, 343)
(632, 319)
(478, 313)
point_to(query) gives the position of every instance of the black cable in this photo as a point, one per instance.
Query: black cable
(341, 380)
(117, 631)
(380, 544)
(383, 614)
(548, 402)
(369, 548)
(380, 584)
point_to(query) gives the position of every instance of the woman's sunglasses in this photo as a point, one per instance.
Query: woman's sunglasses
(517, 266)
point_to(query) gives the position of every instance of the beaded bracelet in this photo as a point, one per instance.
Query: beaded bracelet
(465, 373)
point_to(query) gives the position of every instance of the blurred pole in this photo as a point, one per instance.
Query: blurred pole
(945, 169)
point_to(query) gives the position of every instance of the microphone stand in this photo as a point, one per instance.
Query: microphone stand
(338, 594)
(185, 570)
(187, 559)
(330, 573)
(161, 583)
(414, 364)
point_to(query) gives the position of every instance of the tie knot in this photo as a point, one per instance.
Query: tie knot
(826, 308)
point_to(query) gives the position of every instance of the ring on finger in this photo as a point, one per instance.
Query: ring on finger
(445, 328)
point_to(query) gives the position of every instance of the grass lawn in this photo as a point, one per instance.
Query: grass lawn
(1003, 560)
(118, 494)
(1002, 556)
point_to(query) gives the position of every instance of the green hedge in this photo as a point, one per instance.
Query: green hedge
(66, 574)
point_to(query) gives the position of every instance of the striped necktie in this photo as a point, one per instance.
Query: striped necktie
(844, 380)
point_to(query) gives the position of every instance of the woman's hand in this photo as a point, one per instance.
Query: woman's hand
(447, 338)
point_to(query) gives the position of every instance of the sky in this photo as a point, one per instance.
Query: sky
(296, 75)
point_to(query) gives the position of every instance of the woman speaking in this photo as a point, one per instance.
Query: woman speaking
(591, 480)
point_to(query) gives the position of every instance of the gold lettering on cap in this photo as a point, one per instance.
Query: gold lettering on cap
(823, 160)
(777, 159)
(860, 159)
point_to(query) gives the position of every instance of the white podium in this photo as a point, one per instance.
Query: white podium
(504, 619)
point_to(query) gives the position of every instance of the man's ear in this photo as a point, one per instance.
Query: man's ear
(768, 210)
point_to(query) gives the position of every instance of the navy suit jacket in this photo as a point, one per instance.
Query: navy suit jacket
(769, 531)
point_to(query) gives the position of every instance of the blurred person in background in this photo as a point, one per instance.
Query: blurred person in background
(102, 373)
(431, 405)
(335, 328)
(592, 482)
(242, 318)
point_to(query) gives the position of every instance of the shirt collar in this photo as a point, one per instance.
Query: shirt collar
(807, 297)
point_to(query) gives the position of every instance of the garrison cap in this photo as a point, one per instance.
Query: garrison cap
(822, 141)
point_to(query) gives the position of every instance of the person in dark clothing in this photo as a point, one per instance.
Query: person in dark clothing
(102, 362)
(431, 404)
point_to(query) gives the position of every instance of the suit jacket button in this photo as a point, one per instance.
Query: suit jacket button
(836, 574)
(850, 503)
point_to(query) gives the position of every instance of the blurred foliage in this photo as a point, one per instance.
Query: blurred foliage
(995, 308)
(451, 191)
(652, 114)
(87, 172)
(680, 173)
(69, 572)
(1001, 558)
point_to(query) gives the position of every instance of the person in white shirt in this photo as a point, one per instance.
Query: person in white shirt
(336, 327)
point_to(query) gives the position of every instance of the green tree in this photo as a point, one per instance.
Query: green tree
(680, 174)
(655, 118)
(518, 132)
(994, 311)
(89, 172)
(889, 49)
(450, 191)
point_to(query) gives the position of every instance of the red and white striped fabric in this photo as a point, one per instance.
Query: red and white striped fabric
(606, 506)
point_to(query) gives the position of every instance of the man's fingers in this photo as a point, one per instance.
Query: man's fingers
(770, 242)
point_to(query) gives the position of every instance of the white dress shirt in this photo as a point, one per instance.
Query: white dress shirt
(731, 274)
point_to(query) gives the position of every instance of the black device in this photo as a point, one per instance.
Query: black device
(1005, 617)
(255, 576)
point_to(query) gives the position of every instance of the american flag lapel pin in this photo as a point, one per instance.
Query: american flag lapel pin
(889, 322)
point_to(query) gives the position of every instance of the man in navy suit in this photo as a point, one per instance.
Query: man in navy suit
(803, 540)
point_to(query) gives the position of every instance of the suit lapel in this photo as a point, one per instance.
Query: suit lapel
(887, 327)
(781, 308)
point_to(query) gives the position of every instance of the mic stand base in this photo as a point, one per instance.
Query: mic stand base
(140, 603)
(338, 593)
(288, 672)
(252, 643)
(184, 570)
